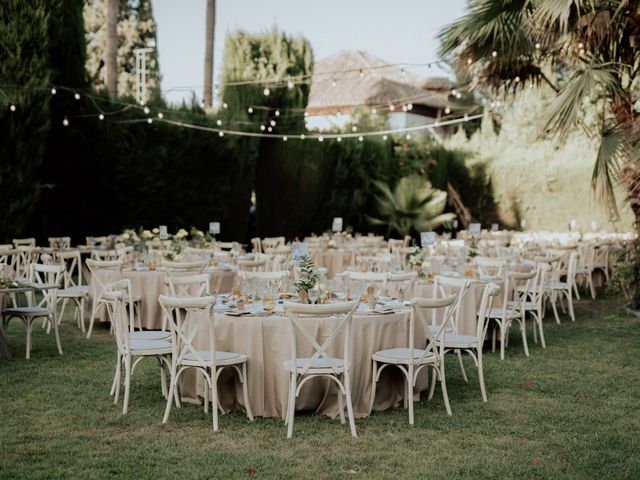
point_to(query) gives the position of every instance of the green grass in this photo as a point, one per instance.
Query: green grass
(569, 411)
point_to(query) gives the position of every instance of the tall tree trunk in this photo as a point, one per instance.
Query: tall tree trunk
(208, 55)
(111, 50)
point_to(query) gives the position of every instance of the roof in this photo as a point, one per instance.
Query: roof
(358, 84)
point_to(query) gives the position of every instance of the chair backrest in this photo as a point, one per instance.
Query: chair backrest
(542, 282)
(124, 251)
(443, 287)
(494, 267)
(99, 284)
(342, 312)
(58, 243)
(357, 283)
(403, 283)
(571, 267)
(252, 265)
(8, 256)
(490, 292)
(518, 285)
(264, 282)
(26, 256)
(273, 242)
(72, 263)
(178, 267)
(24, 242)
(122, 314)
(104, 255)
(256, 245)
(420, 307)
(374, 263)
(187, 318)
(49, 275)
(189, 285)
(96, 241)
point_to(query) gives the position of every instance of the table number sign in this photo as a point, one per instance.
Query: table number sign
(523, 223)
(455, 223)
(337, 224)
(474, 228)
(427, 238)
(298, 251)
(494, 227)
(214, 228)
(163, 232)
(572, 224)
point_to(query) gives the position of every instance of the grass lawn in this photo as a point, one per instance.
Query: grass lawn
(570, 411)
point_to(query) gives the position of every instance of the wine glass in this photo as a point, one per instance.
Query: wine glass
(314, 294)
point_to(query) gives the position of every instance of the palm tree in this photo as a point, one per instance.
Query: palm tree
(208, 54)
(593, 49)
(111, 48)
(413, 206)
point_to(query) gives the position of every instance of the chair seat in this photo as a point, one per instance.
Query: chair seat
(531, 289)
(318, 365)
(137, 346)
(527, 305)
(560, 286)
(148, 335)
(27, 311)
(454, 340)
(503, 313)
(433, 329)
(73, 292)
(401, 355)
(222, 358)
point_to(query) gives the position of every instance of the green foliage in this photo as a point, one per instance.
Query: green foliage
(413, 206)
(626, 272)
(24, 60)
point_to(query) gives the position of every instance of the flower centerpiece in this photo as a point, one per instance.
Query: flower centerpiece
(308, 278)
(415, 261)
(473, 248)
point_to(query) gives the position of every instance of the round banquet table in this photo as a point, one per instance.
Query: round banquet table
(334, 260)
(266, 341)
(149, 285)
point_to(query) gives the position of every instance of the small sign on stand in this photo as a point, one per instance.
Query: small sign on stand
(336, 226)
(475, 228)
(427, 238)
(214, 228)
(164, 234)
(495, 227)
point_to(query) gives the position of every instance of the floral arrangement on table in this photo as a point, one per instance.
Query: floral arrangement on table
(473, 248)
(416, 262)
(8, 282)
(308, 278)
(173, 252)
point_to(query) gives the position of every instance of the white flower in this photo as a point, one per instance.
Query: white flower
(156, 230)
(125, 236)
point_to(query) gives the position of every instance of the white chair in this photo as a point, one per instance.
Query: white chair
(534, 303)
(472, 344)
(188, 317)
(188, 286)
(129, 351)
(411, 360)
(601, 261)
(59, 243)
(105, 255)
(47, 277)
(273, 242)
(8, 257)
(374, 263)
(518, 285)
(73, 289)
(97, 241)
(401, 284)
(24, 242)
(321, 363)
(585, 268)
(262, 283)
(562, 289)
(256, 245)
(27, 254)
(491, 267)
(252, 265)
(183, 267)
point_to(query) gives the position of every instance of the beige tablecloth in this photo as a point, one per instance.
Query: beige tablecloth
(266, 341)
(149, 285)
(334, 260)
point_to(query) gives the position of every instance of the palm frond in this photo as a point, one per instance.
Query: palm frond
(606, 170)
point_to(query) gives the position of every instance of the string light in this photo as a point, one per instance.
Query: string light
(410, 106)
(149, 121)
(284, 139)
(53, 91)
(219, 122)
(494, 54)
(354, 128)
(517, 79)
(466, 117)
(384, 138)
(221, 134)
(12, 107)
(458, 95)
(101, 117)
(360, 138)
(65, 122)
(263, 128)
(272, 123)
(302, 137)
(374, 111)
(404, 108)
(447, 110)
(277, 113)
(269, 129)
(250, 110)
(408, 136)
(469, 61)
(289, 84)
(160, 115)
(225, 105)
(146, 110)
(76, 96)
(392, 107)
(266, 92)
(338, 139)
(321, 139)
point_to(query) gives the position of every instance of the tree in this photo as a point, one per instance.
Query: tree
(592, 48)
(413, 206)
(136, 28)
(208, 54)
(111, 48)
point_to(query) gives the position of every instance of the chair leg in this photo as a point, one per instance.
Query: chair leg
(54, 322)
(409, 390)
(535, 324)
(432, 388)
(592, 289)
(29, 326)
(93, 317)
(373, 386)
(163, 379)
(555, 310)
(245, 391)
(575, 289)
(340, 403)
(291, 406)
(523, 330)
(464, 374)
(483, 390)
(172, 391)
(570, 302)
(214, 399)
(127, 384)
(503, 329)
(206, 396)
(64, 306)
(118, 380)
(82, 314)
(347, 387)
(443, 386)
(115, 376)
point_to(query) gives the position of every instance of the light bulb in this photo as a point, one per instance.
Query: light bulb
(263, 128)
(201, 104)
(146, 110)
(302, 137)
(458, 95)
(580, 45)
(354, 129)
(339, 139)
(384, 137)
(225, 105)
(53, 91)
(537, 46)
(277, 113)
(76, 96)
(374, 111)
(221, 134)
(284, 139)
(272, 123)
(469, 61)
(494, 54)
(454, 92)
(218, 122)
(250, 110)
(149, 121)
(410, 106)
(269, 129)
(447, 110)
(391, 107)
(12, 107)
(160, 115)
(321, 139)
(65, 122)
(466, 117)
(289, 84)
(338, 113)
(101, 117)
(408, 136)
(360, 138)
(266, 92)
(404, 108)
(517, 79)
(306, 114)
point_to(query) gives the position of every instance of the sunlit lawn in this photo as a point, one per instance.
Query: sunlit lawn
(571, 411)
